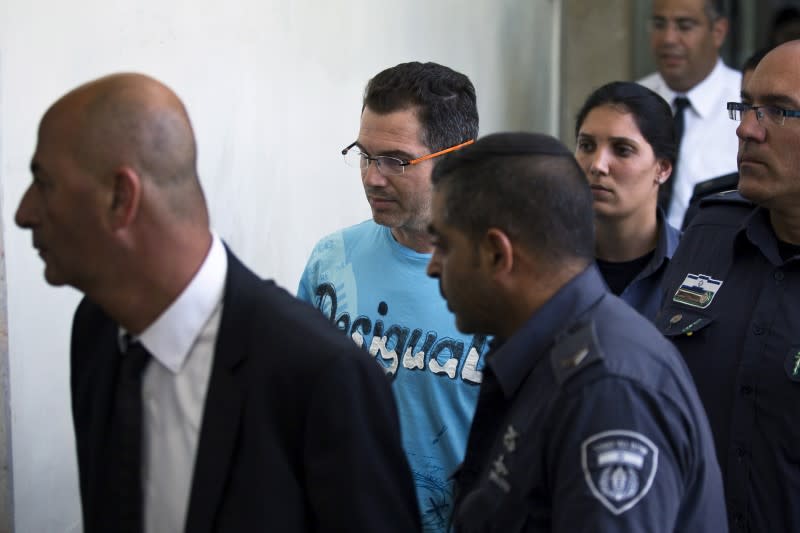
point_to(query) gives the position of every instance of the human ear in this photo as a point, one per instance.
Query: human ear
(126, 195)
(663, 171)
(498, 251)
(719, 29)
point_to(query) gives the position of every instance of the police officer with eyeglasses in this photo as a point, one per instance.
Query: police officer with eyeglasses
(731, 304)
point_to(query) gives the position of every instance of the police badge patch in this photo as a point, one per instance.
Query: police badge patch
(697, 290)
(619, 467)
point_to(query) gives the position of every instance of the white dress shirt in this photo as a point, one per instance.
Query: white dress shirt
(174, 389)
(709, 145)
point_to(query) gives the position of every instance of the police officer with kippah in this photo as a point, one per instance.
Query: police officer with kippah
(587, 419)
(732, 304)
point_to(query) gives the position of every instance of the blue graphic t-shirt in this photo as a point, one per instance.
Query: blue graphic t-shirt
(376, 291)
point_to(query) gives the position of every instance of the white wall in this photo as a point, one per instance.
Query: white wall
(273, 88)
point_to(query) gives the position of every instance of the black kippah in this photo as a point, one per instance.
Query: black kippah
(503, 145)
(520, 143)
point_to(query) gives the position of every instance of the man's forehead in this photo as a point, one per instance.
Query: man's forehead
(398, 121)
(777, 77)
(439, 198)
(53, 131)
(56, 139)
(60, 136)
(401, 128)
(439, 225)
(65, 115)
(678, 8)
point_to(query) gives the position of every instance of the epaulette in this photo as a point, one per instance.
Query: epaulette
(714, 185)
(731, 197)
(574, 351)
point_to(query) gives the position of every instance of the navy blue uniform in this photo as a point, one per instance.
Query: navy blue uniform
(644, 292)
(587, 420)
(732, 307)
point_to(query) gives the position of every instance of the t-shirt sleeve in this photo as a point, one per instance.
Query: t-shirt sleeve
(305, 289)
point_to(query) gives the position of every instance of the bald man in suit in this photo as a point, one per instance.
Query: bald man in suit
(204, 399)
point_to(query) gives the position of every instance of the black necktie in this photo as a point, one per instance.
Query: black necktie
(125, 443)
(665, 191)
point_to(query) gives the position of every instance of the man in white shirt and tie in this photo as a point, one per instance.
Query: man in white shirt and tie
(204, 398)
(686, 36)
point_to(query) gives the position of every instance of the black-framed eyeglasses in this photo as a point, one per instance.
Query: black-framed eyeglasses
(387, 165)
(775, 114)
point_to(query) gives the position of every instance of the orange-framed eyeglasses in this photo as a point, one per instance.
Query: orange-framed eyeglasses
(388, 165)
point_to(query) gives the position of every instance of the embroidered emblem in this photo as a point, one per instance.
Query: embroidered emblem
(792, 364)
(510, 439)
(676, 318)
(500, 471)
(691, 327)
(697, 290)
(619, 467)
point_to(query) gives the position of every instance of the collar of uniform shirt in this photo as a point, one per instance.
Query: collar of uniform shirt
(170, 338)
(666, 244)
(522, 351)
(757, 230)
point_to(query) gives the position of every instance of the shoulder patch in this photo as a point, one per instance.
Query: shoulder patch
(619, 467)
(730, 197)
(711, 186)
(697, 290)
(574, 351)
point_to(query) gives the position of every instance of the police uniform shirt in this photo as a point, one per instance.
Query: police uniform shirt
(587, 420)
(732, 307)
(643, 291)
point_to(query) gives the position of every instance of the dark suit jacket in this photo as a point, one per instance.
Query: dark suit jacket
(299, 430)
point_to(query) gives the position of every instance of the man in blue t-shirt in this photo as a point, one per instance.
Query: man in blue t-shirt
(370, 280)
